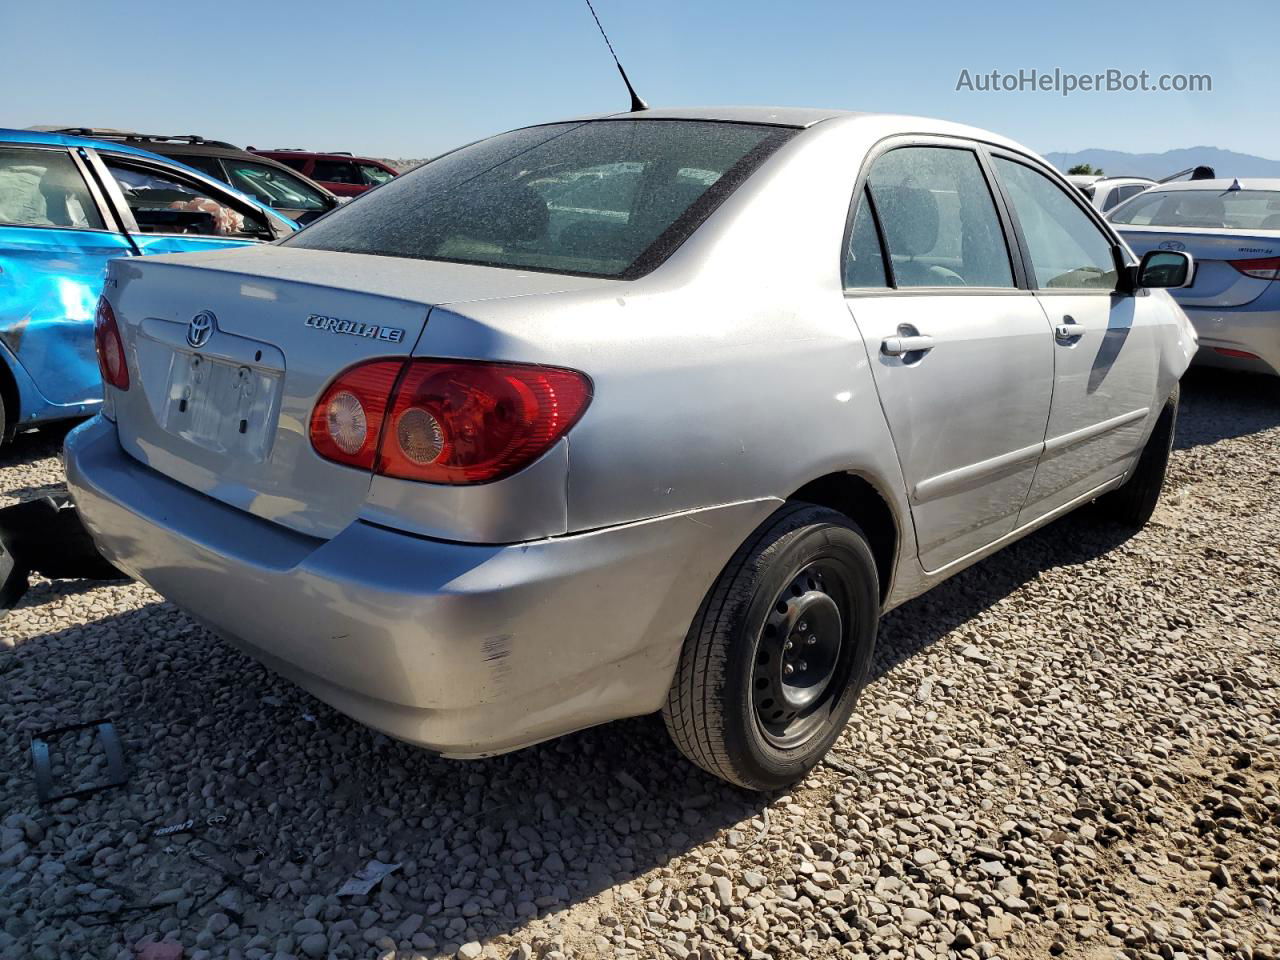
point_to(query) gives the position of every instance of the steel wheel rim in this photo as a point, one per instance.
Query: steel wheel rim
(802, 655)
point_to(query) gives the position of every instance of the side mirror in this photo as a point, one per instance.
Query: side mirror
(1165, 268)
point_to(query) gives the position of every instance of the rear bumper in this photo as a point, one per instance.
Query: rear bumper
(1248, 329)
(465, 649)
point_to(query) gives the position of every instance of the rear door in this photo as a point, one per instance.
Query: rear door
(1106, 350)
(56, 237)
(962, 357)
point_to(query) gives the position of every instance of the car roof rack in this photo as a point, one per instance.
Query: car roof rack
(128, 136)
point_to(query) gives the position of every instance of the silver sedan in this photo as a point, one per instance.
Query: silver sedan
(1232, 228)
(653, 412)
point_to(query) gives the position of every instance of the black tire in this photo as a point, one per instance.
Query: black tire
(1133, 503)
(808, 560)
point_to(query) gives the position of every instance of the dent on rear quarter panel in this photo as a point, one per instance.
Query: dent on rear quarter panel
(46, 317)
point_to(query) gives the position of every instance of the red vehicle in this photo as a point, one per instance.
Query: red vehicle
(341, 173)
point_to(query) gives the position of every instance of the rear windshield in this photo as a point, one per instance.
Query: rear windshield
(610, 198)
(1232, 209)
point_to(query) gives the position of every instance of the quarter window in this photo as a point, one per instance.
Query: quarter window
(863, 262)
(43, 188)
(939, 220)
(1067, 249)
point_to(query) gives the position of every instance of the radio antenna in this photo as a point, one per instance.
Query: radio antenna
(636, 103)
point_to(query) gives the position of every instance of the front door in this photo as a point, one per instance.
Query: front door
(168, 211)
(1106, 353)
(962, 358)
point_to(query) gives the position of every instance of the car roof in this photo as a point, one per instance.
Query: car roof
(44, 139)
(1223, 184)
(320, 154)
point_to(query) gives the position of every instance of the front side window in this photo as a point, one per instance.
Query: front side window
(374, 174)
(273, 186)
(335, 171)
(939, 220)
(43, 188)
(166, 203)
(1214, 209)
(1068, 250)
(606, 198)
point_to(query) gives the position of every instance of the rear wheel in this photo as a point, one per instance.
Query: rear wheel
(1133, 503)
(779, 650)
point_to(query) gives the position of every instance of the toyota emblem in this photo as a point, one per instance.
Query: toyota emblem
(200, 329)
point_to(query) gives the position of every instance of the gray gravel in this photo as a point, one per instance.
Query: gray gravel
(1071, 749)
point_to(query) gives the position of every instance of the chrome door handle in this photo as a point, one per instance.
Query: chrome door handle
(1069, 331)
(897, 346)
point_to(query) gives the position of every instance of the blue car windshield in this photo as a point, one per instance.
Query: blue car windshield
(610, 198)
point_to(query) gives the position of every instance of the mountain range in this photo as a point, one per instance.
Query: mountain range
(1226, 163)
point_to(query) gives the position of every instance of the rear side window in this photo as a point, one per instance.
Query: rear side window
(1214, 209)
(608, 198)
(273, 186)
(43, 188)
(335, 171)
(939, 220)
(1068, 250)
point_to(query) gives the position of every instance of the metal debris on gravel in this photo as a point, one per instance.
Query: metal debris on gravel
(1069, 750)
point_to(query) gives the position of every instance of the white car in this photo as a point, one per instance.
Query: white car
(1106, 193)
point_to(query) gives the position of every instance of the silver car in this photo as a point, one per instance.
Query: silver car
(647, 412)
(1232, 228)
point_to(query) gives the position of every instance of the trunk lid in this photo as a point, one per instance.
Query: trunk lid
(1217, 283)
(223, 403)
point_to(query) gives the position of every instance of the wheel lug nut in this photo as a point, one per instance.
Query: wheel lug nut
(786, 646)
(788, 670)
(802, 626)
(811, 641)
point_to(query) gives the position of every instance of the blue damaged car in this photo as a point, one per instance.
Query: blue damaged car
(67, 206)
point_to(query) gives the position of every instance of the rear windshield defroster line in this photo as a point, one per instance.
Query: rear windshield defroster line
(602, 198)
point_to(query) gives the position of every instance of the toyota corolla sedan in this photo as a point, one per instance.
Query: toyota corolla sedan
(1232, 228)
(651, 412)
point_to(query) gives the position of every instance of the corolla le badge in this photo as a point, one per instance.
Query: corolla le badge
(201, 328)
(354, 328)
(1173, 245)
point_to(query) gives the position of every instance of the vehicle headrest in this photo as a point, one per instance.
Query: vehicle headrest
(511, 211)
(1202, 207)
(909, 216)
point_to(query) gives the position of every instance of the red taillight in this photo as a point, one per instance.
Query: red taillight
(347, 421)
(450, 421)
(109, 346)
(1266, 268)
(1238, 354)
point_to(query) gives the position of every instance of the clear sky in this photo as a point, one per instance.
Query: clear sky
(415, 77)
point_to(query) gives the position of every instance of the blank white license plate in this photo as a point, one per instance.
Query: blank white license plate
(222, 406)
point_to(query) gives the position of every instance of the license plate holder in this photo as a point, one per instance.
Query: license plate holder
(221, 405)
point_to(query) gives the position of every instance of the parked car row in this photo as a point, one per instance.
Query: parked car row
(72, 199)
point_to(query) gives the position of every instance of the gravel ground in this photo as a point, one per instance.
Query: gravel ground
(1071, 749)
